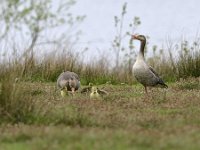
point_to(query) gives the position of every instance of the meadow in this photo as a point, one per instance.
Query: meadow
(35, 116)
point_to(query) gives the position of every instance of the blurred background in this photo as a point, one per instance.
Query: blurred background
(44, 37)
(159, 20)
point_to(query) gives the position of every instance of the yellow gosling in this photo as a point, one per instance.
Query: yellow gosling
(64, 93)
(94, 93)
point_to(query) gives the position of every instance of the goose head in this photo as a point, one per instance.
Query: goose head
(141, 38)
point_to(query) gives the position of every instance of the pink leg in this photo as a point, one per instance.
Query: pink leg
(145, 88)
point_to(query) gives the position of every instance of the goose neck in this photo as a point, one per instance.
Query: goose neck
(141, 52)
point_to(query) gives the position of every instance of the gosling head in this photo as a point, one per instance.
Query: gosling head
(94, 92)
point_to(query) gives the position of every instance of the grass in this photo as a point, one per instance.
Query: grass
(125, 119)
(33, 137)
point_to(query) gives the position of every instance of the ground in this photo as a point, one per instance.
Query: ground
(125, 119)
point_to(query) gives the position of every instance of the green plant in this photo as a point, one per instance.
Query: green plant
(118, 45)
(15, 106)
(32, 19)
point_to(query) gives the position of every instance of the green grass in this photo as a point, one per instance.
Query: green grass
(61, 137)
(125, 119)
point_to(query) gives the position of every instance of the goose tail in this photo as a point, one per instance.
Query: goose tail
(163, 85)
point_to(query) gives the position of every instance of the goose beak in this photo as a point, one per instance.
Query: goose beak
(134, 36)
(73, 91)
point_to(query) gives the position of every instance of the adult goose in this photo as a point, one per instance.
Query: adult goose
(142, 71)
(68, 82)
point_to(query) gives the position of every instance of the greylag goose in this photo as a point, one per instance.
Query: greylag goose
(142, 71)
(68, 82)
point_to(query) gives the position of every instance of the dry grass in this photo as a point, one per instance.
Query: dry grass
(125, 119)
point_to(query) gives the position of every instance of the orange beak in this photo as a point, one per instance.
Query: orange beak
(134, 36)
(73, 91)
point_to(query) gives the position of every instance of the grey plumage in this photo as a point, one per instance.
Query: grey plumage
(68, 81)
(142, 71)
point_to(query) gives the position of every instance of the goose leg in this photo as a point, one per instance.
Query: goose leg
(145, 88)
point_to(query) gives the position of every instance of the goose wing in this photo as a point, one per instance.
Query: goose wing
(102, 92)
(160, 81)
(69, 74)
(75, 75)
(154, 72)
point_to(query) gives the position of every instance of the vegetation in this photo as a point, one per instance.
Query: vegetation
(33, 115)
(126, 118)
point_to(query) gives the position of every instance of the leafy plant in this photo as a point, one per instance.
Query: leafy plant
(32, 19)
(118, 45)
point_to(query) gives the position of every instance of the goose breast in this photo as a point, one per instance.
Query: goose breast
(143, 74)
